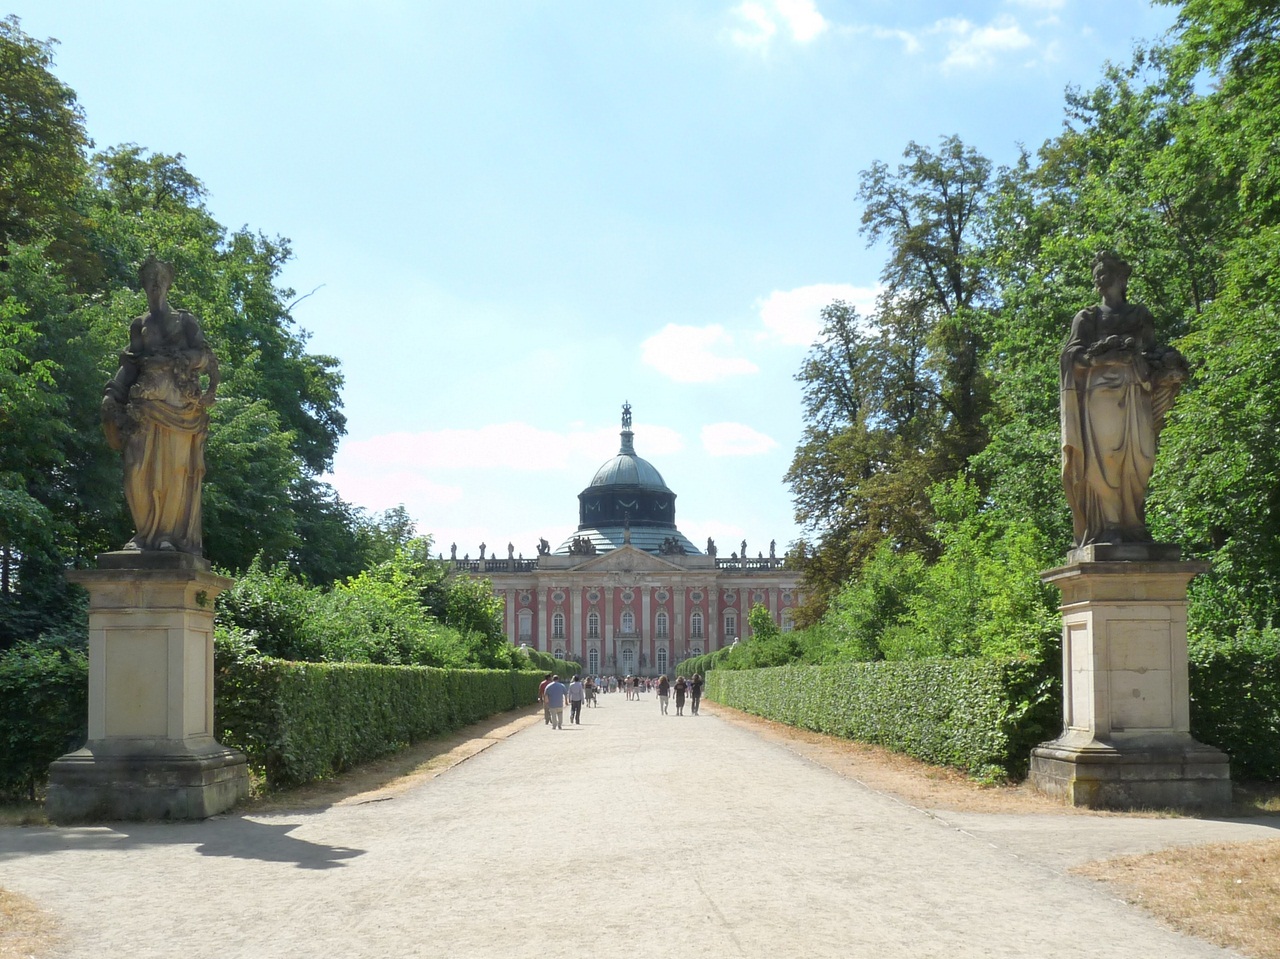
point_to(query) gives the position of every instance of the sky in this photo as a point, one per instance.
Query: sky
(514, 216)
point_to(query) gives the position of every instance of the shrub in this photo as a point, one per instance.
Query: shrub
(275, 607)
(980, 716)
(44, 708)
(302, 721)
(1235, 700)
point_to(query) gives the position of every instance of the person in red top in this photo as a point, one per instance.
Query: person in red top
(542, 698)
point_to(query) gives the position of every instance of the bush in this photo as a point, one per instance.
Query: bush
(275, 607)
(1235, 700)
(981, 716)
(302, 721)
(546, 663)
(44, 709)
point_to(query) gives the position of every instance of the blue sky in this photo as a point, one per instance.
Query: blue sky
(521, 214)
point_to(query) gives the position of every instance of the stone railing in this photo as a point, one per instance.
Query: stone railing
(489, 565)
(750, 564)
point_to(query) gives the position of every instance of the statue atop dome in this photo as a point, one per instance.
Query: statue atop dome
(626, 415)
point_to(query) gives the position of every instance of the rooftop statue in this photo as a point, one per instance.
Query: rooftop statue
(1117, 384)
(156, 411)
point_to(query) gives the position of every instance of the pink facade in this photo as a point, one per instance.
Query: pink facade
(628, 611)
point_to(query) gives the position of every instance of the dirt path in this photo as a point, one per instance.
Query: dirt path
(633, 834)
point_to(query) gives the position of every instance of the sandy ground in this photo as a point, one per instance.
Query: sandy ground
(634, 834)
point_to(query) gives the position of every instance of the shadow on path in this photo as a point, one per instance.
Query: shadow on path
(233, 837)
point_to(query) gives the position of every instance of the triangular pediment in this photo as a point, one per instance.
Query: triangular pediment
(627, 559)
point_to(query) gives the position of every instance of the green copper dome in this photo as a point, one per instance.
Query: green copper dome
(628, 501)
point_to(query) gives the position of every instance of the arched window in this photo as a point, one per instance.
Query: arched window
(788, 624)
(660, 627)
(557, 626)
(662, 659)
(628, 622)
(526, 624)
(628, 661)
(593, 626)
(559, 653)
(593, 661)
(695, 624)
(730, 627)
(695, 650)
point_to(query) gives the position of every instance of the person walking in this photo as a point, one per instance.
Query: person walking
(695, 692)
(555, 694)
(664, 693)
(577, 693)
(542, 698)
(681, 686)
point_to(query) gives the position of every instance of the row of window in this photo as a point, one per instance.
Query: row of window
(661, 625)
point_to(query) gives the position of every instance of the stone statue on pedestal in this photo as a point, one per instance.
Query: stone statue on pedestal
(155, 410)
(1126, 719)
(1117, 384)
(151, 751)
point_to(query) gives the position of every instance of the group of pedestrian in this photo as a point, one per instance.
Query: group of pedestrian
(692, 688)
(554, 694)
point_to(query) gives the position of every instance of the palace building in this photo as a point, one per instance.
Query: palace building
(628, 593)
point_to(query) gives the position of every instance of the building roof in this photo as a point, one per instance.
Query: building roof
(627, 501)
(628, 469)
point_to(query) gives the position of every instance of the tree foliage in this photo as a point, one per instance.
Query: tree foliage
(73, 228)
(927, 479)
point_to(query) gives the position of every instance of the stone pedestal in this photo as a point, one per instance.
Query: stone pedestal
(150, 752)
(1126, 738)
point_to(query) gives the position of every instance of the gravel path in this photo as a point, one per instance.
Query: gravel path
(634, 834)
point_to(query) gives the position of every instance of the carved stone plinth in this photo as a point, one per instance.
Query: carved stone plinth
(151, 753)
(1126, 738)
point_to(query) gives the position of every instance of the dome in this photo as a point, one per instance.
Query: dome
(628, 469)
(628, 501)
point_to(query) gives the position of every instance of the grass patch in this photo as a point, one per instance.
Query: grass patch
(1226, 893)
(26, 931)
(23, 812)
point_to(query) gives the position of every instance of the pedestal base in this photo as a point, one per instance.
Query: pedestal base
(1164, 773)
(158, 780)
(151, 752)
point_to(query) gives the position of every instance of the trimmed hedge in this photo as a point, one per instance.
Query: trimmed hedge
(981, 716)
(1235, 705)
(302, 721)
(44, 712)
(701, 664)
(564, 668)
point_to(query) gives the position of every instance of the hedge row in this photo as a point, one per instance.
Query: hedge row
(546, 663)
(302, 721)
(1235, 705)
(981, 716)
(44, 712)
(701, 664)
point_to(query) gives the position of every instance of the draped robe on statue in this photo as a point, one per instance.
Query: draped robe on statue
(162, 430)
(1112, 410)
(164, 457)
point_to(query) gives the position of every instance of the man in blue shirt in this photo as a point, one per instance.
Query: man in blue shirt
(554, 696)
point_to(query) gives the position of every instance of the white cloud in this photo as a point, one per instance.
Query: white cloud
(694, 354)
(735, 439)
(795, 316)
(802, 18)
(762, 20)
(910, 41)
(972, 47)
(1040, 4)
